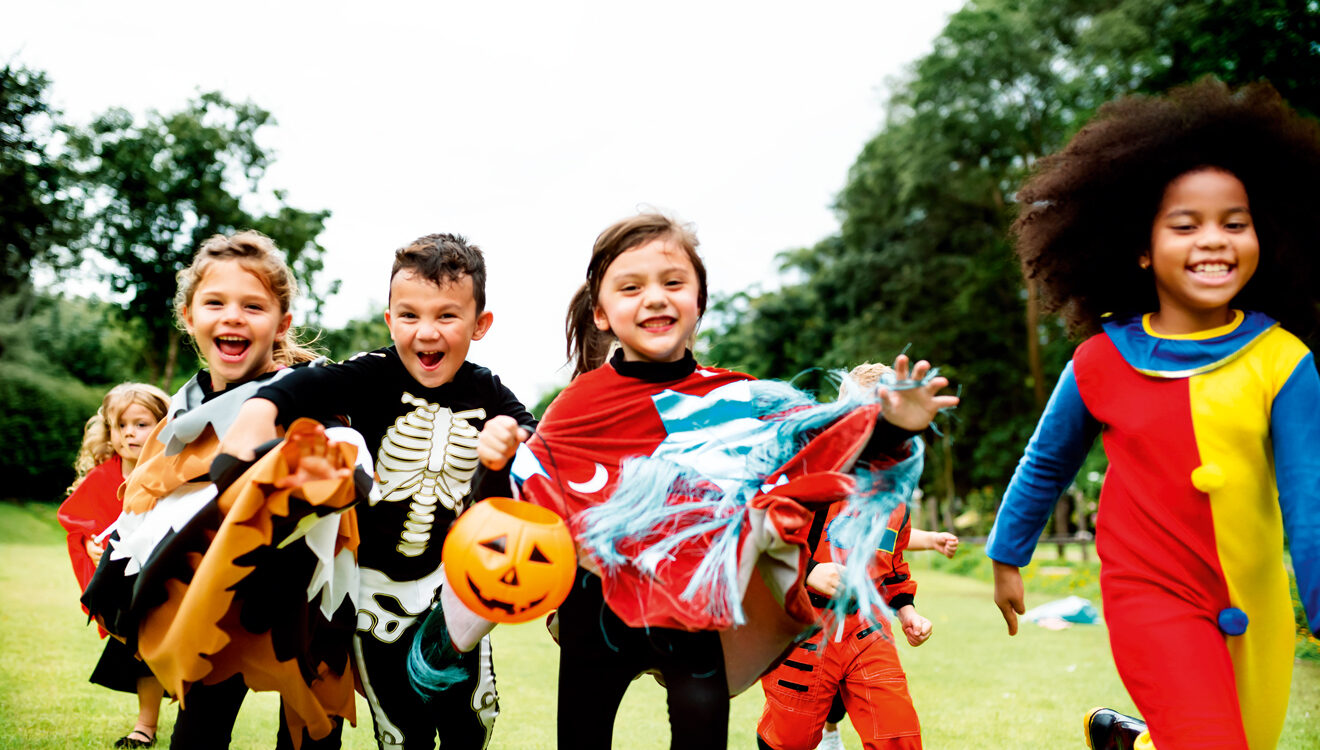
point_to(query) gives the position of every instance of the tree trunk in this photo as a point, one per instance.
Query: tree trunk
(1033, 342)
(948, 482)
(1062, 510)
(171, 359)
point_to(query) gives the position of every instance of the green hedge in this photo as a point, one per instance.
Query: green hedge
(41, 420)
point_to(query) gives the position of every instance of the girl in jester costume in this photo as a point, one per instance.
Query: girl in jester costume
(689, 489)
(1178, 231)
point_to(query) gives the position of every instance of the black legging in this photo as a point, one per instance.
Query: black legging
(212, 710)
(600, 656)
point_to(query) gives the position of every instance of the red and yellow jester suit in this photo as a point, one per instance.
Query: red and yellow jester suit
(1213, 442)
(860, 664)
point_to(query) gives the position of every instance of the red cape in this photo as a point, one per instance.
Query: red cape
(93, 506)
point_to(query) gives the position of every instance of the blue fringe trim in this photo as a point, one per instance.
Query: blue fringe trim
(434, 665)
(857, 530)
(641, 507)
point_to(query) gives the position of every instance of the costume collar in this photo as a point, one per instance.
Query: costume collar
(196, 405)
(654, 372)
(1182, 356)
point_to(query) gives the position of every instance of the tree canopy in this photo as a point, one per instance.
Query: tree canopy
(38, 212)
(923, 257)
(157, 187)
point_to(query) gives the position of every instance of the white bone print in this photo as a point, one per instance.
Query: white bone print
(428, 457)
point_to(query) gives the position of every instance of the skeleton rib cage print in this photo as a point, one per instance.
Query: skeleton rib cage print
(428, 457)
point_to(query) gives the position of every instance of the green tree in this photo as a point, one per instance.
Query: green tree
(160, 186)
(923, 255)
(38, 211)
(361, 335)
(58, 357)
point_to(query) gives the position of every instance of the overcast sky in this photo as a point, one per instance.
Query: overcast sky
(527, 126)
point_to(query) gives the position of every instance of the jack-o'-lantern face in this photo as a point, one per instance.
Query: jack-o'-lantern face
(509, 561)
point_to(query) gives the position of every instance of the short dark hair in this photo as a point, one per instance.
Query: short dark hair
(444, 259)
(1086, 211)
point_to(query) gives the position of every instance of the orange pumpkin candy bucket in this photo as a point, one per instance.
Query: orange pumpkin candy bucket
(509, 561)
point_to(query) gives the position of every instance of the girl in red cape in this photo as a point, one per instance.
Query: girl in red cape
(684, 487)
(112, 441)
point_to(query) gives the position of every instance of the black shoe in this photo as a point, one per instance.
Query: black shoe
(137, 738)
(1107, 729)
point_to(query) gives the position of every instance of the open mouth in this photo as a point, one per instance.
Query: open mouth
(658, 324)
(232, 347)
(430, 360)
(1212, 271)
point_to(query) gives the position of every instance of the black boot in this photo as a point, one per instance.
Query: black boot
(1107, 729)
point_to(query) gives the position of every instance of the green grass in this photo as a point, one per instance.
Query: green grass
(974, 687)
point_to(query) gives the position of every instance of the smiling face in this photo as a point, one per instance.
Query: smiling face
(235, 320)
(129, 430)
(648, 299)
(433, 325)
(1203, 250)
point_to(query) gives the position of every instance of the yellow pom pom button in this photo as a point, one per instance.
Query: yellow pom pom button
(1208, 477)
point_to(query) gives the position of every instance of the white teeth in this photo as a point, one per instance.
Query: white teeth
(1211, 269)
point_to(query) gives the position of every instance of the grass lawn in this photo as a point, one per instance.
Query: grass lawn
(974, 687)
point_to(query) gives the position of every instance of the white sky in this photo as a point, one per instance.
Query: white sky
(527, 126)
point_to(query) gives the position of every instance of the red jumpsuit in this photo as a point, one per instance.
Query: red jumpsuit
(861, 666)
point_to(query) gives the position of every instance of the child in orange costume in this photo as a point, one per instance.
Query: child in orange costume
(854, 659)
(112, 442)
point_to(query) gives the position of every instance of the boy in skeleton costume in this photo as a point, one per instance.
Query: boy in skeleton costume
(420, 407)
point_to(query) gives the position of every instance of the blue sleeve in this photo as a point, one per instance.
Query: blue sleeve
(1295, 433)
(1055, 453)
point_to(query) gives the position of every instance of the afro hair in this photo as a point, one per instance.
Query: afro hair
(1087, 210)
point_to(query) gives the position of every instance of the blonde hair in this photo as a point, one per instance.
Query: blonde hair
(96, 445)
(865, 376)
(258, 255)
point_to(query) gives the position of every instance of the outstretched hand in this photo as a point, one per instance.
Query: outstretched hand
(307, 453)
(913, 408)
(499, 440)
(1008, 594)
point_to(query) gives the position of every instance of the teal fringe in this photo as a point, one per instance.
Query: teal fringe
(434, 665)
(641, 506)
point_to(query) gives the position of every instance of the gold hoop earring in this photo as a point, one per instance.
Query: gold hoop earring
(1144, 263)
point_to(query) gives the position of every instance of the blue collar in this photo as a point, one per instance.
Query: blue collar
(1183, 356)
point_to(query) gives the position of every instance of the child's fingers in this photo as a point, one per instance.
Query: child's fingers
(945, 402)
(1010, 617)
(920, 369)
(901, 367)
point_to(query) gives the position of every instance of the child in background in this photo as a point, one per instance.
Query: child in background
(942, 542)
(112, 441)
(208, 645)
(639, 603)
(419, 405)
(1190, 218)
(851, 665)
